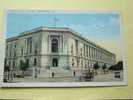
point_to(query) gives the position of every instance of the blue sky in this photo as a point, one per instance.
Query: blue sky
(95, 26)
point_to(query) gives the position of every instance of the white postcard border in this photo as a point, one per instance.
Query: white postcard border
(61, 84)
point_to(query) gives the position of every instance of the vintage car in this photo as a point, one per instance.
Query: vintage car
(87, 76)
(117, 74)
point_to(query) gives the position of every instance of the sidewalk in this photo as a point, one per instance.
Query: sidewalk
(98, 78)
(106, 78)
(48, 79)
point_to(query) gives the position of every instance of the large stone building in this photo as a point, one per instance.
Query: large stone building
(48, 50)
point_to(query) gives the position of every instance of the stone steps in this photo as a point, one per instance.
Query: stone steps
(57, 73)
(63, 74)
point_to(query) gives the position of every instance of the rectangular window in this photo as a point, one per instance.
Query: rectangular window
(13, 65)
(36, 47)
(21, 51)
(10, 50)
(76, 45)
(27, 62)
(14, 49)
(7, 51)
(15, 45)
(87, 50)
(35, 61)
(91, 52)
(84, 49)
(77, 62)
(94, 53)
(6, 47)
(9, 63)
(29, 44)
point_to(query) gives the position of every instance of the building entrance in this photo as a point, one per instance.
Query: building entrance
(55, 62)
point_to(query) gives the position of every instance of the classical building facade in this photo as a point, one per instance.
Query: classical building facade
(54, 50)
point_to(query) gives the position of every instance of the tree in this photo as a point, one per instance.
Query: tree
(116, 67)
(96, 67)
(6, 70)
(112, 67)
(120, 65)
(104, 68)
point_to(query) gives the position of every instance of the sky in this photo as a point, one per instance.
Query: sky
(102, 28)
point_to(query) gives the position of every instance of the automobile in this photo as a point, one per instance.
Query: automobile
(117, 74)
(87, 76)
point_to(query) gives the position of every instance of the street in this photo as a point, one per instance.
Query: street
(98, 78)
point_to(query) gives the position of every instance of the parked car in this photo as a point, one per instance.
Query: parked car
(117, 74)
(87, 76)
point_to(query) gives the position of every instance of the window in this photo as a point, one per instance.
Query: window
(7, 47)
(76, 44)
(82, 63)
(77, 62)
(72, 49)
(55, 62)
(92, 52)
(35, 49)
(21, 51)
(21, 62)
(14, 53)
(35, 61)
(54, 45)
(84, 50)
(15, 45)
(9, 63)
(7, 50)
(27, 62)
(88, 64)
(87, 50)
(81, 52)
(10, 50)
(14, 50)
(29, 44)
(13, 63)
(72, 62)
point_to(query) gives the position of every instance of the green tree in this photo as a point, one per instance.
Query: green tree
(6, 70)
(96, 67)
(118, 66)
(104, 68)
(112, 67)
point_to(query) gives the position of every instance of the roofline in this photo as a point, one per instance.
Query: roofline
(91, 42)
(61, 29)
(12, 39)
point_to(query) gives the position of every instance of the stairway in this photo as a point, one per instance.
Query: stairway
(58, 72)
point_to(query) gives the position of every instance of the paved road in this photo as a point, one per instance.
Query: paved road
(97, 78)
(106, 77)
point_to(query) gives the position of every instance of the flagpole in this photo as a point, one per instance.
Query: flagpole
(55, 20)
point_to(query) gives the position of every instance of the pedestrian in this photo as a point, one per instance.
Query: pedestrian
(74, 73)
(52, 74)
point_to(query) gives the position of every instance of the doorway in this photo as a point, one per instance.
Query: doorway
(55, 62)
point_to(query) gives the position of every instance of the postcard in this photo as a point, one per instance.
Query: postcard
(63, 49)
